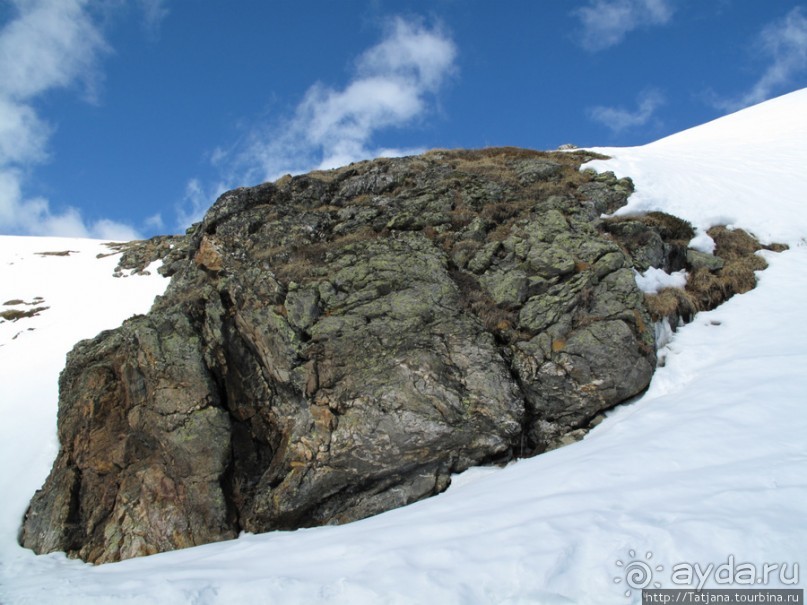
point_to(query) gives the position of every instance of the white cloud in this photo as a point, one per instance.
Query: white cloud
(154, 13)
(50, 44)
(155, 222)
(783, 44)
(607, 22)
(112, 230)
(32, 216)
(196, 201)
(393, 86)
(619, 119)
(23, 136)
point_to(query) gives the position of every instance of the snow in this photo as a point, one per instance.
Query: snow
(653, 280)
(745, 170)
(703, 242)
(664, 332)
(710, 463)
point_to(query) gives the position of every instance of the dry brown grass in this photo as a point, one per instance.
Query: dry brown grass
(671, 303)
(488, 167)
(669, 227)
(297, 263)
(505, 166)
(500, 232)
(736, 277)
(500, 164)
(59, 253)
(468, 246)
(474, 168)
(705, 289)
(672, 230)
(499, 321)
(15, 314)
(326, 208)
(731, 244)
(739, 275)
(461, 219)
(738, 249)
(501, 212)
(577, 158)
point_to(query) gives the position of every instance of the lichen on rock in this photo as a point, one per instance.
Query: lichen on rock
(337, 344)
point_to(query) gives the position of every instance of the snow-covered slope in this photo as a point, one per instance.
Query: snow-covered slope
(710, 463)
(748, 169)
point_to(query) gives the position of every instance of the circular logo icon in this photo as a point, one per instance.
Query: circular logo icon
(637, 573)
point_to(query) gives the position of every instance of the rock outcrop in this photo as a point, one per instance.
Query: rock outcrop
(338, 344)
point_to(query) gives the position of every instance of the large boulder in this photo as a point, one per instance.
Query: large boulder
(338, 344)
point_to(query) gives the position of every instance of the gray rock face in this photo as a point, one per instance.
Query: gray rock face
(337, 344)
(143, 401)
(702, 260)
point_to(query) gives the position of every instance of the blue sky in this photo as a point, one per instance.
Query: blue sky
(122, 119)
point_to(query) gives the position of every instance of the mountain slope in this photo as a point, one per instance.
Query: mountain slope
(744, 170)
(708, 464)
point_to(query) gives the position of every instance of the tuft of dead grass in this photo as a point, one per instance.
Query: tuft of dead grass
(669, 227)
(707, 289)
(736, 277)
(739, 250)
(501, 212)
(15, 314)
(671, 303)
(59, 253)
(731, 244)
(298, 263)
(499, 321)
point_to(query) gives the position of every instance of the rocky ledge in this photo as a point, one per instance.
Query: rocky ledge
(337, 344)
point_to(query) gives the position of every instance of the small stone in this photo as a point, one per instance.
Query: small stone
(209, 255)
(302, 307)
(507, 288)
(702, 260)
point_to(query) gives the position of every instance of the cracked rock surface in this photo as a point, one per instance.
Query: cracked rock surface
(337, 344)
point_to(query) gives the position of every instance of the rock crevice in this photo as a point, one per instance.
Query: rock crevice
(337, 344)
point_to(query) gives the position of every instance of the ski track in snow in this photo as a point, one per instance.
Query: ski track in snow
(710, 462)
